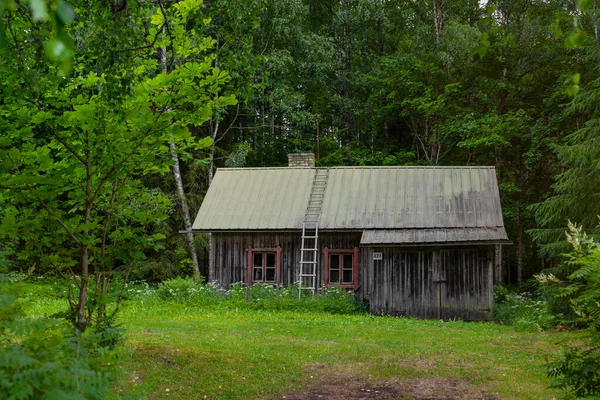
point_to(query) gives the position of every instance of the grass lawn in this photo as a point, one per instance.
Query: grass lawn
(178, 351)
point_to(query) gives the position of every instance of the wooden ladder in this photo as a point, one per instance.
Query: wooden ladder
(309, 250)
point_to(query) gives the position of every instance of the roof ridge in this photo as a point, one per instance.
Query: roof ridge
(363, 167)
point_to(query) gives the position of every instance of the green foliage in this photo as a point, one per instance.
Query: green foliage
(577, 371)
(41, 358)
(577, 281)
(575, 190)
(522, 309)
(77, 154)
(331, 300)
(178, 289)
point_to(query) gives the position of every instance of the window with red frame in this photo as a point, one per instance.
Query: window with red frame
(264, 265)
(341, 267)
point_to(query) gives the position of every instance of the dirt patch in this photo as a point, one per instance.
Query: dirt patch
(342, 387)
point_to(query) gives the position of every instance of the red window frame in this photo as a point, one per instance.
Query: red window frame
(329, 252)
(264, 251)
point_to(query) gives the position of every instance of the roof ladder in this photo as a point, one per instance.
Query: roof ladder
(309, 250)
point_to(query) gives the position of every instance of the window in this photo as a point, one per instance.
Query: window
(264, 265)
(341, 267)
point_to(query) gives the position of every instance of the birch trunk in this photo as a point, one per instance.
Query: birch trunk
(211, 166)
(185, 210)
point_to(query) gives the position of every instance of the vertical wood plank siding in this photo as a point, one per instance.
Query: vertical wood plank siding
(432, 283)
(229, 252)
(423, 282)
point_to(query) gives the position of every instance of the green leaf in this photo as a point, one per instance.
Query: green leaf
(483, 47)
(39, 11)
(576, 39)
(584, 5)
(65, 12)
(204, 143)
(41, 117)
(556, 29)
(572, 90)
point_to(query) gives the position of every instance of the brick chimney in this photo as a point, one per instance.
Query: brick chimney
(301, 160)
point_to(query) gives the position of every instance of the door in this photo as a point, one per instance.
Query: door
(465, 286)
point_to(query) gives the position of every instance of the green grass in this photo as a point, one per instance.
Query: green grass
(176, 351)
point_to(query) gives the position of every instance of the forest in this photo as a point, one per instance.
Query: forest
(115, 115)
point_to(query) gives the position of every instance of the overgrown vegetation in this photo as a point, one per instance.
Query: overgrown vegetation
(47, 357)
(524, 309)
(187, 291)
(576, 282)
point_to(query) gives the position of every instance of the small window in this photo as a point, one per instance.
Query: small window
(341, 267)
(264, 265)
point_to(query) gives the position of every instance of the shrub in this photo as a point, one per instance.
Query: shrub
(523, 310)
(177, 289)
(336, 300)
(42, 359)
(578, 370)
(577, 282)
(333, 300)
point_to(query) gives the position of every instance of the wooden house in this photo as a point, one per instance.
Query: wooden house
(415, 241)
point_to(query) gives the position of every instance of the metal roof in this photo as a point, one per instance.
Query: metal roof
(356, 198)
(411, 197)
(251, 199)
(437, 235)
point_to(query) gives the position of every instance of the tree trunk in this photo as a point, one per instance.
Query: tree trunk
(81, 305)
(438, 18)
(185, 210)
(519, 244)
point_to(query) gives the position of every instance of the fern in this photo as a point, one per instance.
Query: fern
(41, 359)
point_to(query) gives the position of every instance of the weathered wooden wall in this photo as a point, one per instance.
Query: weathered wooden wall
(452, 282)
(441, 283)
(229, 250)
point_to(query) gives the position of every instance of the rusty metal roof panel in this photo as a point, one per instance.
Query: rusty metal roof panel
(411, 197)
(255, 199)
(432, 236)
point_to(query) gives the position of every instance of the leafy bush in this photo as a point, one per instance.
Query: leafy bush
(41, 358)
(577, 282)
(578, 371)
(523, 310)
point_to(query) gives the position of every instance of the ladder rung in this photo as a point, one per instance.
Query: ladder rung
(308, 262)
(309, 275)
(310, 249)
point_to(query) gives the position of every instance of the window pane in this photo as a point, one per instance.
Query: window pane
(257, 274)
(334, 262)
(270, 260)
(334, 276)
(348, 261)
(258, 260)
(347, 276)
(270, 275)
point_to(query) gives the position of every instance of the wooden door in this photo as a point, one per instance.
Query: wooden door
(465, 288)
